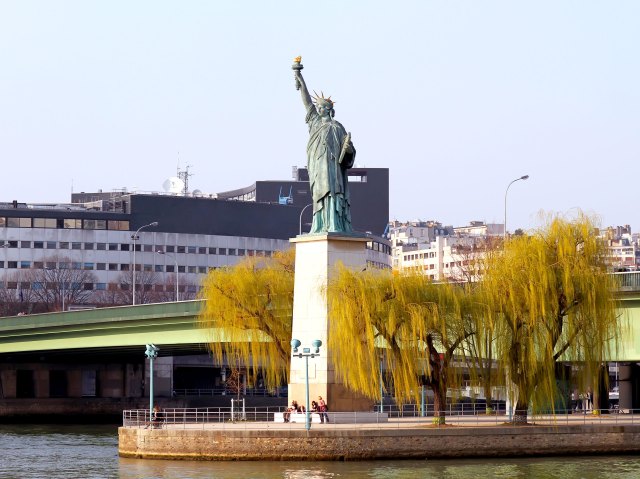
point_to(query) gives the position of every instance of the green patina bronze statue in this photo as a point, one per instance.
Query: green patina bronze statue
(330, 154)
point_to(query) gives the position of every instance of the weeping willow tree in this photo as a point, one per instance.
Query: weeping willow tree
(248, 314)
(416, 324)
(548, 296)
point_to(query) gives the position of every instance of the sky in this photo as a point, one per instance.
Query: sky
(456, 98)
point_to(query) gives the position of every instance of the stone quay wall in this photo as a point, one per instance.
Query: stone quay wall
(365, 444)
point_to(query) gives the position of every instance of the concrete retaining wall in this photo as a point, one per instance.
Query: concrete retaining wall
(363, 444)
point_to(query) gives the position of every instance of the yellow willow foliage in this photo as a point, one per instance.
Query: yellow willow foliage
(379, 313)
(248, 315)
(548, 297)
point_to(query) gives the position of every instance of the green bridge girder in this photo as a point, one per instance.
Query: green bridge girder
(175, 326)
(168, 324)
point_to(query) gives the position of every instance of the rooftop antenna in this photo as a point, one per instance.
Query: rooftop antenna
(184, 176)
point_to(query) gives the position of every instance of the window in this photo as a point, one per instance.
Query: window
(241, 252)
(95, 225)
(148, 248)
(76, 245)
(19, 222)
(38, 265)
(171, 249)
(181, 249)
(101, 246)
(25, 264)
(51, 265)
(101, 286)
(12, 264)
(171, 268)
(125, 267)
(125, 247)
(191, 269)
(202, 269)
(38, 244)
(88, 246)
(118, 225)
(113, 246)
(232, 251)
(25, 244)
(202, 250)
(44, 223)
(72, 224)
(64, 245)
(13, 244)
(158, 268)
(222, 251)
(212, 251)
(76, 265)
(191, 249)
(51, 245)
(113, 267)
(180, 269)
(147, 267)
(101, 266)
(87, 266)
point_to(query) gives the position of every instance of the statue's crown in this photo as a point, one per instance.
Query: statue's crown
(321, 100)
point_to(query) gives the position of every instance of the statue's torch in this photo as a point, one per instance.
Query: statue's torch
(297, 66)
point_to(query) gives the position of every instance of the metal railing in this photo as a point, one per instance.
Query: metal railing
(627, 280)
(252, 392)
(264, 418)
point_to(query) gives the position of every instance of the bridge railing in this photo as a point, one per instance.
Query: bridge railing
(627, 280)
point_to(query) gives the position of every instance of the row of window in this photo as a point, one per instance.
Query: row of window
(158, 268)
(76, 245)
(375, 246)
(158, 288)
(66, 223)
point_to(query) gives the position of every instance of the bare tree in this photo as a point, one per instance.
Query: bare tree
(61, 286)
(145, 282)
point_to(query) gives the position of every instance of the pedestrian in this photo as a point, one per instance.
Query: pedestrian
(322, 407)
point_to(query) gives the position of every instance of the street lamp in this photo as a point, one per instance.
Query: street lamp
(152, 353)
(505, 203)
(300, 229)
(306, 354)
(4, 245)
(134, 237)
(176, 270)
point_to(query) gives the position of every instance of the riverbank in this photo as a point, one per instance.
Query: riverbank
(395, 440)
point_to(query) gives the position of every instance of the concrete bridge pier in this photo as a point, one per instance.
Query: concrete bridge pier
(629, 385)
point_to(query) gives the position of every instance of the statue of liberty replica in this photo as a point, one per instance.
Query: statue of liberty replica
(330, 154)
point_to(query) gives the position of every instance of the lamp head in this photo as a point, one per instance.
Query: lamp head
(316, 343)
(295, 344)
(525, 177)
(155, 223)
(152, 351)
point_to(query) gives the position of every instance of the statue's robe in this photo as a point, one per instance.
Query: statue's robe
(327, 162)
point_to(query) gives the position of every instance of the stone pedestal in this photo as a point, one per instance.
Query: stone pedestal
(316, 259)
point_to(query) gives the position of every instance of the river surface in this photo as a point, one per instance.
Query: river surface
(69, 452)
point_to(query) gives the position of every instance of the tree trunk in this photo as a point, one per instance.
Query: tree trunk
(439, 402)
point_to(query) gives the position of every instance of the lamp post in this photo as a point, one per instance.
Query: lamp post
(306, 354)
(4, 245)
(152, 353)
(134, 237)
(300, 229)
(175, 261)
(524, 177)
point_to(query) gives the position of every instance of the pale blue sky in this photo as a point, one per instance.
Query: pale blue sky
(457, 98)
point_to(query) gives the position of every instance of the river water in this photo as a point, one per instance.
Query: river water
(69, 452)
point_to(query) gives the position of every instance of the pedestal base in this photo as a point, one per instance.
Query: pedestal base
(317, 257)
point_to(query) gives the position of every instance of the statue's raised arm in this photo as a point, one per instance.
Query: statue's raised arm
(300, 84)
(330, 153)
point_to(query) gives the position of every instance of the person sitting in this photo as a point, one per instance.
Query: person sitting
(156, 417)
